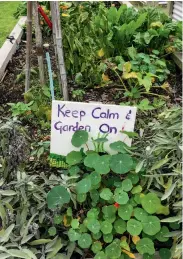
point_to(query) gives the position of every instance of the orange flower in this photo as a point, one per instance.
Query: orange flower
(64, 7)
(116, 205)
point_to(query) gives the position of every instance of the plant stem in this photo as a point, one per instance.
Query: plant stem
(161, 96)
(120, 79)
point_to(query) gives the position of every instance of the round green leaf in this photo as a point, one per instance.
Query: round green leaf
(161, 234)
(136, 189)
(73, 235)
(109, 211)
(120, 147)
(151, 202)
(137, 198)
(134, 227)
(90, 160)
(75, 223)
(52, 231)
(108, 238)
(110, 219)
(121, 163)
(120, 226)
(74, 170)
(83, 186)
(147, 256)
(121, 198)
(93, 213)
(175, 225)
(94, 194)
(82, 228)
(81, 197)
(73, 158)
(58, 195)
(96, 247)
(145, 246)
(125, 211)
(85, 240)
(95, 178)
(127, 185)
(140, 214)
(113, 251)
(165, 253)
(106, 194)
(97, 236)
(79, 138)
(102, 164)
(106, 227)
(57, 219)
(93, 225)
(151, 225)
(100, 255)
(133, 177)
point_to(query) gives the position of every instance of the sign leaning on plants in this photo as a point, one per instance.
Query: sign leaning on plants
(105, 123)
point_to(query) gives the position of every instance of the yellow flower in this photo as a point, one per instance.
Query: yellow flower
(65, 14)
(105, 78)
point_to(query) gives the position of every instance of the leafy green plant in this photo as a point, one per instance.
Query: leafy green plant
(78, 94)
(117, 215)
(20, 108)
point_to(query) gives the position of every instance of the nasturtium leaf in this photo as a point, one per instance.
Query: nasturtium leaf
(101, 165)
(125, 211)
(97, 236)
(100, 255)
(94, 194)
(106, 227)
(73, 158)
(73, 235)
(140, 214)
(127, 185)
(69, 212)
(90, 160)
(163, 210)
(75, 223)
(132, 202)
(120, 147)
(106, 194)
(113, 251)
(85, 240)
(165, 253)
(147, 256)
(124, 244)
(81, 197)
(145, 246)
(73, 170)
(83, 186)
(108, 238)
(121, 163)
(121, 198)
(137, 198)
(58, 195)
(96, 247)
(161, 235)
(110, 219)
(133, 177)
(93, 213)
(57, 219)
(82, 228)
(175, 225)
(93, 225)
(151, 202)
(120, 226)
(134, 227)
(95, 178)
(109, 211)
(136, 189)
(79, 138)
(52, 231)
(151, 225)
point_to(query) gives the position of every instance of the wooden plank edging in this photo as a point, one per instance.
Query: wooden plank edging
(8, 48)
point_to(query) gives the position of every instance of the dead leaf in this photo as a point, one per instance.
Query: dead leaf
(128, 253)
(105, 78)
(135, 239)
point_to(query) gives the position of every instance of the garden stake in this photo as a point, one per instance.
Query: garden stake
(28, 45)
(39, 43)
(50, 75)
(47, 20)
(58, 32)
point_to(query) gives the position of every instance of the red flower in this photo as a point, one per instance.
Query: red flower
(116, 205)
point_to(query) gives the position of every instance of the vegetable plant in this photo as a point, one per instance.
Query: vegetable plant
(114, 214)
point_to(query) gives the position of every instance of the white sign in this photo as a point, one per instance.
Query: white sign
(97, 119)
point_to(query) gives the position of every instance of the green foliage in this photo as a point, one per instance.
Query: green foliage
(124, 207)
